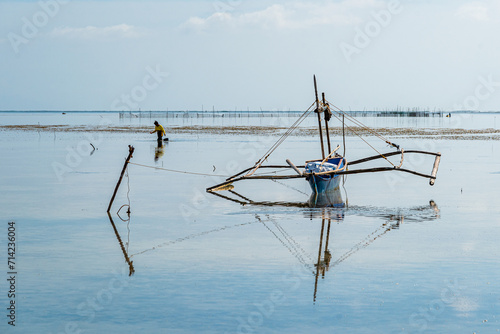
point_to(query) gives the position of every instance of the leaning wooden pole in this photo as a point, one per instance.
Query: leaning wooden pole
(130, 152)
(319, 119)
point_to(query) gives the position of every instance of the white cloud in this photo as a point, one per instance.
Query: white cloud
(272, 17)
(476, 11)
(290, 16)
(91, 32)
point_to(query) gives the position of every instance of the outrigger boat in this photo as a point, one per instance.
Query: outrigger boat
(324, 174)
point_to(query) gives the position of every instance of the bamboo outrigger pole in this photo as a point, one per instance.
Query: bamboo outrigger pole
(319, 119)
(389, 154)
(130, 152)
(435, 169)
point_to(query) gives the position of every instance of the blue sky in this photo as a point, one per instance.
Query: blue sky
(241, 54)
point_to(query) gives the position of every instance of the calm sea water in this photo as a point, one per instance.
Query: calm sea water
(403, 257)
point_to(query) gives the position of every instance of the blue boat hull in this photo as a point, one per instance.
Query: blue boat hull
(325, 183)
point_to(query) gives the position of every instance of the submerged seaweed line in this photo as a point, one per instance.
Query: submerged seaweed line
(427, 133)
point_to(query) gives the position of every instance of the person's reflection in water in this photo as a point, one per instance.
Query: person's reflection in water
(159, 151)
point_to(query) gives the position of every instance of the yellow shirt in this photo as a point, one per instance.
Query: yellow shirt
(160, 128)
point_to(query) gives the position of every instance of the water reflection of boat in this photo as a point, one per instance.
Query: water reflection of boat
(324, 260)
(332, 198)
(324, 174)
(392, 219)
(323, 263)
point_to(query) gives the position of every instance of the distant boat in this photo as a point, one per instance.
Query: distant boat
(324, 174)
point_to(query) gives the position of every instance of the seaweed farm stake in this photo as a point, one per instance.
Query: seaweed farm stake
(130, 152)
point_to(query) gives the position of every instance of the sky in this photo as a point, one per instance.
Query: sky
(249, 55)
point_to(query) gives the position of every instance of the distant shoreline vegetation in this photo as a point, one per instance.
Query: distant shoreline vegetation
(423, 133)
(415, 112)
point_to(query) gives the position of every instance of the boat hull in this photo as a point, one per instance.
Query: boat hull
(326, 183)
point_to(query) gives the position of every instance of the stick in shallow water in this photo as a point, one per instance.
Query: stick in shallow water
(130, 152)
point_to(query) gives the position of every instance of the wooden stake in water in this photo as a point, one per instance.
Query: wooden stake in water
(130, 152)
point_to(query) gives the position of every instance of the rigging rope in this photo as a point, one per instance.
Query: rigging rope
(291, 240)
(361, 125)
(326, 106)
(375, 133)
(191, 236)
(177, 171)
(294, 252)
(367, 143)
(128, 199)
(281, 140)
(362, 244)
(290, 187)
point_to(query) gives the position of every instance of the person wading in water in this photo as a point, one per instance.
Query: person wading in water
(160, 131)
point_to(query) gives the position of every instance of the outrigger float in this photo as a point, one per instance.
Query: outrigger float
(324, 174)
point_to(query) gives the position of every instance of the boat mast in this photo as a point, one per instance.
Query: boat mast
(327, 118)
(343, 131)
(319, 119)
